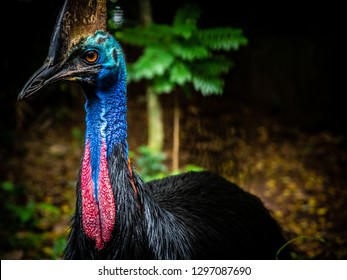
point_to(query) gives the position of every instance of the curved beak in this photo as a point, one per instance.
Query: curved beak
(47, 74)
(76, 20)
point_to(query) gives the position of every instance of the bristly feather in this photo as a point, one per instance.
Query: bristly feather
(196, 215)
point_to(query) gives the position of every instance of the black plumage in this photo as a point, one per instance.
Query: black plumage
(195, 215)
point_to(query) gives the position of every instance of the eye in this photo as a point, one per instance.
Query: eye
(91, 56)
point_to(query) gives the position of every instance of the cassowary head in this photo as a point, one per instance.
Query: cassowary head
(80, 50)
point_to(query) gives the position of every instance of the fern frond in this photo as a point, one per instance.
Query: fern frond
(153, 62)
(215, 66)
(189, 51)
(187, 15)
(185, 21)
(163, 84)
(221, 38)
(207, 85)
(180, 73)
(153, 35)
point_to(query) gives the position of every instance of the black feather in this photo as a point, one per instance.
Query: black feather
(195, 215)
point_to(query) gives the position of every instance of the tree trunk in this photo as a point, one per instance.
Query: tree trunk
(176, 134)
(155, 121)
(145, 12)
(154, 110)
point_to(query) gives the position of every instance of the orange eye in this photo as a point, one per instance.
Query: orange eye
(91, 56)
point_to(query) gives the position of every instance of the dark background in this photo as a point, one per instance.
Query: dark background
(280, 121)
(287, 68)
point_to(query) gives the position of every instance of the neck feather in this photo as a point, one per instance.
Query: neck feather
(106, 128)
(106, 119)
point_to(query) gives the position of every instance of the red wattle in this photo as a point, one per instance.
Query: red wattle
(98, 220)
(107, 209)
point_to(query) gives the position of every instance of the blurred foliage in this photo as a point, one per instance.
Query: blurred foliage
(26, 222)
(151, 165)
(37, 203)
(181, 54)
(279, 173)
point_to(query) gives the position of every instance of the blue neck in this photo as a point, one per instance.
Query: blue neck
(106, 111)
(106, 106)
(106, 120)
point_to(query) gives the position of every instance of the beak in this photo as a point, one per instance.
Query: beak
(46, 75)
(77, 19)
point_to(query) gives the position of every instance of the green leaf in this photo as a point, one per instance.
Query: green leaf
(189, 51)
(180, 73)
(154, 35)
(163, 85)
(25, 213)
(187, 15)
(48, 208)
(185, 21)
(208, 86)
(193, 167)
(222, 38)
(214, 66)
(153, 62)
(7, 186)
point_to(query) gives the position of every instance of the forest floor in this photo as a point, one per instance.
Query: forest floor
(299, 175)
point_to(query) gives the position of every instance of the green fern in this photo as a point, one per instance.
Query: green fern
(222, 38)
(162, 84)
(215, 66)
(154, 62)
(185, 21)
(182, 54)
(150, 36)
(180, 73)
(189, 51)
(208, 85)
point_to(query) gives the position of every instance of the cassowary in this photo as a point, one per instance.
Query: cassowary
(196, 215)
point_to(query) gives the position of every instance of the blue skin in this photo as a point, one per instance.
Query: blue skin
(106, 104)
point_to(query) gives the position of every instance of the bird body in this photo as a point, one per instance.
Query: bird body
(195, 215)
